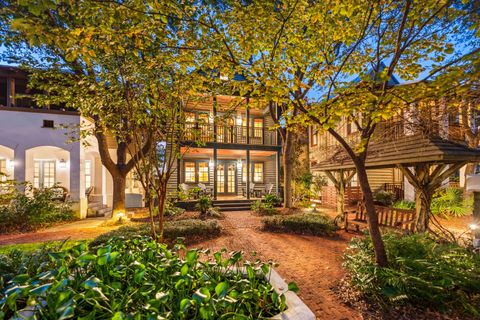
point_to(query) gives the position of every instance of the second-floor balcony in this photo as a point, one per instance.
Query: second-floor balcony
(237, 134)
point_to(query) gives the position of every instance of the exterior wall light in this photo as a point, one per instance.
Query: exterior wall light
(239, 120)
(62, 164)
(211, 163)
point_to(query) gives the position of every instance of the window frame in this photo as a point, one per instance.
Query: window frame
(262, 121)
(88, 174)
(41, 173)
(254, 172)
(189, 175)
(197, 166)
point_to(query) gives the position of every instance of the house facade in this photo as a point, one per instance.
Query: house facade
(43, 147)
(229, 149)
(433, 122)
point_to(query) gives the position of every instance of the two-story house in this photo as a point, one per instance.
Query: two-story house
(233, 154)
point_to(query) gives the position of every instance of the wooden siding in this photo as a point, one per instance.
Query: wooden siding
(269, 167)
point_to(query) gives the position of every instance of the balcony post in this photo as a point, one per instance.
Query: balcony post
(214, 118)
(248, 121)
(277, 176)
(248, 173)
(215, 172)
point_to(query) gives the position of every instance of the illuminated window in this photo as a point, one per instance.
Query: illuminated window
(257, 128)
(88, 174)
(189, 171)
(203, 171)
(244, 126)
(314, 135)
(258, 172)
(3, 169)
(43, 173)
(189, 117)
(244, 172)
(203, 118)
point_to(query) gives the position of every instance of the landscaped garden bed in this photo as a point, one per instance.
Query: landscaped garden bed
(306, 223)
(127, 278)
(440, 277)
(191, 230)
(20, 212)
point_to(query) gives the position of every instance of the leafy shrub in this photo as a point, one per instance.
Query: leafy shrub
(190, 229)
(449, 202)
(272, 199)
(384, 198)
(171, 210)
(263, 208)
(314, 224)
(203, 204)
(404, 204)
(421, 272)
(26, 213)
(301, 189)
(141, 279)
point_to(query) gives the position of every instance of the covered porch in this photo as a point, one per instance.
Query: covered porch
(227, 174)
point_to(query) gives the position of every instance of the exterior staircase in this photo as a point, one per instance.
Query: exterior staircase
(233, 205)
(97, 209)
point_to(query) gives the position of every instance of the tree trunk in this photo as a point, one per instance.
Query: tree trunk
(118, 205)
(476, 214)
(288, 163)
(423, 201)
(378, 245)
(152, 222)
(341, 197)
(162, 195)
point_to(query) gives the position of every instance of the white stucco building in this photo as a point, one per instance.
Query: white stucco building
(43, 147)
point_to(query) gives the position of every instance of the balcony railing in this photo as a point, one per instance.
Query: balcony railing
(229, 134)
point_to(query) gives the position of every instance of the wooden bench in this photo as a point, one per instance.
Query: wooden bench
(390, 218)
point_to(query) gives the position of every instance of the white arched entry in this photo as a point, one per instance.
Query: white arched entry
(7, 164)
(48, 165)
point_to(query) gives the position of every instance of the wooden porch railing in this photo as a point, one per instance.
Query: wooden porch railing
(229, 134)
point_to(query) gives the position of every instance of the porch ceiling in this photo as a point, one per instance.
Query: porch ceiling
(226, 103)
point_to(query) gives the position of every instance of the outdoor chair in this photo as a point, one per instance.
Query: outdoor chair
(251, 191)
(59, 193)
(204, 190)
(268, 189)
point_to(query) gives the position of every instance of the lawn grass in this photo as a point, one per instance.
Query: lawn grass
(30, 247)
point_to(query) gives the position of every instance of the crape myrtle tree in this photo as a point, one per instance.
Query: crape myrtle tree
(84, 54)
(334, 60)
(165, 124)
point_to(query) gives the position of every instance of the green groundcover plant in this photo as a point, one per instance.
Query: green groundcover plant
(138, 278)
(422, 272)
(309, 223)
(189, 229)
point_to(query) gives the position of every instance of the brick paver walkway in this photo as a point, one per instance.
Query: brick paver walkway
(314, 263)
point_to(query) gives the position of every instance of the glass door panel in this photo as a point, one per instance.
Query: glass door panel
(220, 178)
(231, 178)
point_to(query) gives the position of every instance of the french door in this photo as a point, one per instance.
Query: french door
(226, 177)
